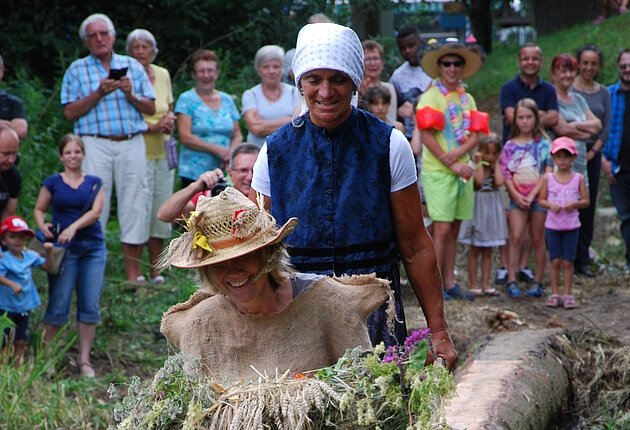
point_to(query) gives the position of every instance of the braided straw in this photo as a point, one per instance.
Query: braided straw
(224, 227)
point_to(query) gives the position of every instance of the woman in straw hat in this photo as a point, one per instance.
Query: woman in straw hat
(351, 179)
(253, 314)
(448, 121)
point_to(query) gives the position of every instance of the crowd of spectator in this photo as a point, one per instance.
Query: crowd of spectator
(331, 142)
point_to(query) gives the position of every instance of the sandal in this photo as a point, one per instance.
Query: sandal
(553, 301)
(569, 302)
(476, 291)
(491, 292)
(87, 370)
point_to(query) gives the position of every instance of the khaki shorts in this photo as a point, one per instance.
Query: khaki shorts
(448, 198)
(121, 165)
(160, 183)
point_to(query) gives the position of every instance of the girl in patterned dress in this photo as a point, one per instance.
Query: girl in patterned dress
(488, 227)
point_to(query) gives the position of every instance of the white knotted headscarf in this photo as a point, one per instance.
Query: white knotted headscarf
(328, 46)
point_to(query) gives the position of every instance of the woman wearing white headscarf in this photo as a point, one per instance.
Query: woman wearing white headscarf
(351, 179)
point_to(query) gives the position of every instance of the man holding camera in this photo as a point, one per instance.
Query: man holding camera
(211, 183)
(105, 94)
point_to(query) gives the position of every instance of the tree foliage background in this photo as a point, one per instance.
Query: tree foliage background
(42, 38)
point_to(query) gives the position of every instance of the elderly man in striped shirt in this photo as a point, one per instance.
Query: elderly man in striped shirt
(105, 94)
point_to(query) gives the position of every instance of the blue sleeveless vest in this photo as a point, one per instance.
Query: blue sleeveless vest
(338, 185)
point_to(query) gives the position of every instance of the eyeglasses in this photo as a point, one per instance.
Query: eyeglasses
(457, 64)
(623, 66)
(373, 60)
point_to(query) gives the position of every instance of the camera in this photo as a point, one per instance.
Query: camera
(218, 187)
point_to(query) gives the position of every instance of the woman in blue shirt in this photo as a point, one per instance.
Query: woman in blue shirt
(77, 201)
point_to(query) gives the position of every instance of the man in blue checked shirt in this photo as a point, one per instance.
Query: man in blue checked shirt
(105, 94)
(616, 151)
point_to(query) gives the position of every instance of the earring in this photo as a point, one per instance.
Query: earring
(302, 91)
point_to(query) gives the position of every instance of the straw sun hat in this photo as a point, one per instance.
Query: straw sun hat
(224, 227)
(434, 51)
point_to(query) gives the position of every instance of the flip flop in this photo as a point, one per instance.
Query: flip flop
(491, 292)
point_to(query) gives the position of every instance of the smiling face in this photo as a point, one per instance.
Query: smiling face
(72, 156)
(235, 279)
(530, 61)
(327, 94)
(205, 74)
(623, 67)
(98, 40)
(589, 65)
(563, 77)
(373, 64)
(241, 174)
(450, 69)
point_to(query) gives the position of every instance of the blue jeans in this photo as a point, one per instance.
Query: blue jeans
(621, 198)
(83, 269)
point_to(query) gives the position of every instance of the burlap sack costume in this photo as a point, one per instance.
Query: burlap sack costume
(327, 318)
(324, 319)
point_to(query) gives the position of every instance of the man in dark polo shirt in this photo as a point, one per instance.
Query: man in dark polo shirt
(10, 179)
(11, 110)
(527, 84)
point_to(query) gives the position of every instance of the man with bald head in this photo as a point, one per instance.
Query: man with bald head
(10, 179)
(12, 110)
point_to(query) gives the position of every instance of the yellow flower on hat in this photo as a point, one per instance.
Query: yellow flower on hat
(201, 241)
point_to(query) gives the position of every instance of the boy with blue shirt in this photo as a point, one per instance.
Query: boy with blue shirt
(18, 295)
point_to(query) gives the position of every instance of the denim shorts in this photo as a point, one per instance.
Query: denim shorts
(562, 243)
(534, 207)
(21, 327)
(83, 270)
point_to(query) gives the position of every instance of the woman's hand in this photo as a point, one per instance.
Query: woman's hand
(48, 231)
(554, 207)
(442, 348)
(67, 235)
(166, 124)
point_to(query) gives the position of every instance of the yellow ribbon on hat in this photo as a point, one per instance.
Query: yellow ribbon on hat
(201, 241)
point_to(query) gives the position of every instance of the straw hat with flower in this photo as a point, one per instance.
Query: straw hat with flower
(224, 227)
(434, 51)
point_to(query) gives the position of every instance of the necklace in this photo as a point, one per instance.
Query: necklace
(581, 86)
(274, 97)
(460, 124)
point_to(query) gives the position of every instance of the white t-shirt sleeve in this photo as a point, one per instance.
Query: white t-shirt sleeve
(260, 179)
(402, 163)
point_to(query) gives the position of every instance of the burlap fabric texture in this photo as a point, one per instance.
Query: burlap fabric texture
(317, 327)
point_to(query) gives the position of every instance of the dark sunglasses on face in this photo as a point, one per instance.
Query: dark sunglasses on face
(457, 63)
(623, 66)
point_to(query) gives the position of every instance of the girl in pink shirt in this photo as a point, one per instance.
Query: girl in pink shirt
(562, 193)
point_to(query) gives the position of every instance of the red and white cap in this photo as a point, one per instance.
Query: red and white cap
(15, 224)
